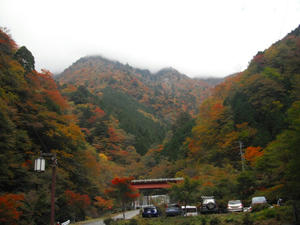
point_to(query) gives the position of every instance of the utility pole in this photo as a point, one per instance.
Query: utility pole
(39, 166)
(54, 164)
(242, 156)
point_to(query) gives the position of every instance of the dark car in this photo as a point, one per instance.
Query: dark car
(209, 205)
(150, 211)
(174, 210)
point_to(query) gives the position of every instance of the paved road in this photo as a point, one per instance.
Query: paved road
(128, 215)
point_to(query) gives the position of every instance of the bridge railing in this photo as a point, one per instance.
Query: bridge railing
(159, 180)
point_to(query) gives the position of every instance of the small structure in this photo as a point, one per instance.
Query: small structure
(153, 191)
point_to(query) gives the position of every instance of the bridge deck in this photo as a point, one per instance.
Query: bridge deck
(155, 183)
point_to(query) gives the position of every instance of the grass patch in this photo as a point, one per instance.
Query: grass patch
(283, 213)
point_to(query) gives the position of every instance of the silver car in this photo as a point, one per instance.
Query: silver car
(235, 206)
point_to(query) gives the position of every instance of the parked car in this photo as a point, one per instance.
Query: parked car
(189, 210)
(258, 203)
(174, 210)
(247, 209)
(209, 205)
(151, 211)
(235, 206)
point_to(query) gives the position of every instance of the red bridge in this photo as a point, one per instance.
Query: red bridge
(154, 190)
(160, 183)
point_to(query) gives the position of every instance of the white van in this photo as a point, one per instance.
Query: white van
(190, 210)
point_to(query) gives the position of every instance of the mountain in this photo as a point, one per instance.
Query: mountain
(39, 116)
(167, 91)
(145, 104)
(254, 113)
(35, 118)
(104, 119)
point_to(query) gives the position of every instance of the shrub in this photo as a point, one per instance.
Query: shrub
(247, 220)
(108, 221)
(229, 220)
(260, 207)
(270, 213)
(185, 223)
(203, 221)
(215, 221)
(133, 222)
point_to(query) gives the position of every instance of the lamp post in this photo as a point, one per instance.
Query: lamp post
(39, 166)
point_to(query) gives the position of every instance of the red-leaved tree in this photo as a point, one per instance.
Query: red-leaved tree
(122, 191)
(9, 204)
(77, 204)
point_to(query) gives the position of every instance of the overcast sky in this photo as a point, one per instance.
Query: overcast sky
(196, 37)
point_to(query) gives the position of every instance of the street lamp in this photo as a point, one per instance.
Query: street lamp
(39, 166)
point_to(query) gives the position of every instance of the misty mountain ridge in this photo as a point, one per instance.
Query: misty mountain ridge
(98, 72)
(145, 72)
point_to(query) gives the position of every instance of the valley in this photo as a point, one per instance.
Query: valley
(108, 123)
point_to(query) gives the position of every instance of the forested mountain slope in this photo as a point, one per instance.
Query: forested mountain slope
(256, 111)
(166, 91)
(34, 118)
(145, 104)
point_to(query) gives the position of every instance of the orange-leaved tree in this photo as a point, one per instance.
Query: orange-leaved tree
(103, 203)
(122, 191)
(253, 153)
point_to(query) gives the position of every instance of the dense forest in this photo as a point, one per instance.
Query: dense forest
(145, 104)
(256, 112)
(105, 120)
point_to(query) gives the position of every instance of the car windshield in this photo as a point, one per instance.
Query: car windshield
(149, 209)
(206, 201)
(234, 202)
(259, 200)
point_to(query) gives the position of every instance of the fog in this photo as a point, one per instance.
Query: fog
(197, 38)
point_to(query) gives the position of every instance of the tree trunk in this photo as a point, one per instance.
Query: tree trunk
(123, 210)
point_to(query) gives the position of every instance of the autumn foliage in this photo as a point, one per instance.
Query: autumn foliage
(253, 153)
(250, 113)
(7, 44)
(9, 208)
(107, 122)
(122, 191)
(103, 203)
(121, 186)
(76, 199)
